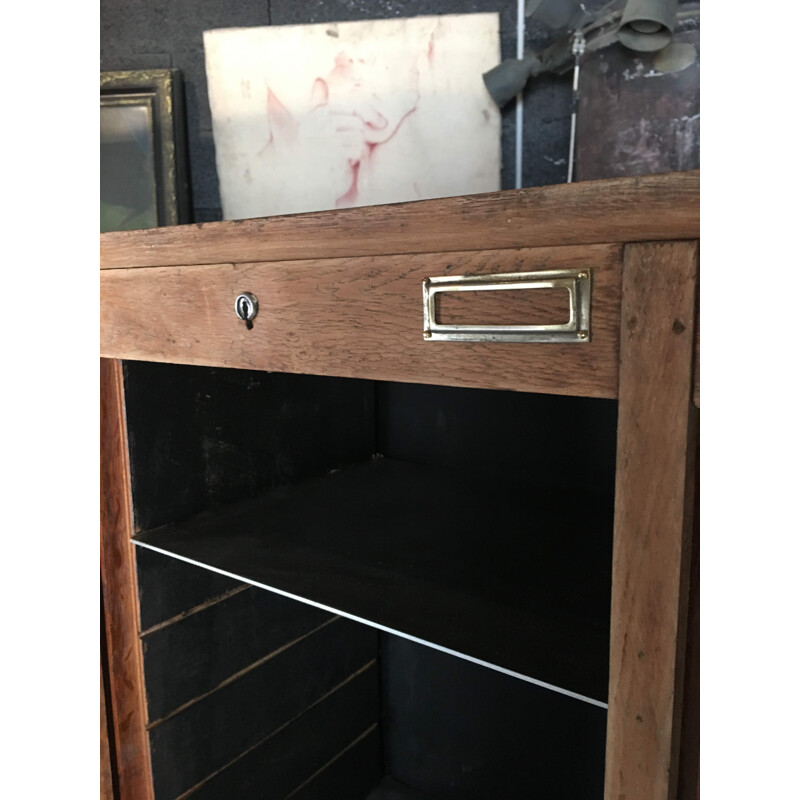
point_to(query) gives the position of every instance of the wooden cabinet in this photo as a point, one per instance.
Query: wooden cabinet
(392, 557)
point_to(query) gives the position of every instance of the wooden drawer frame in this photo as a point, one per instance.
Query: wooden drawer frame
(335, 288)
(359, 317)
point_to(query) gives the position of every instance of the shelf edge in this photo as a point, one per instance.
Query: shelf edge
(518, 675)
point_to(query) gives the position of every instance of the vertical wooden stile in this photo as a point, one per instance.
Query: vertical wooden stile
(655, 486)
(106, 777)
(120, 602)
(689, 760)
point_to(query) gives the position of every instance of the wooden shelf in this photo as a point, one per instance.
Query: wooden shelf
(487, 568)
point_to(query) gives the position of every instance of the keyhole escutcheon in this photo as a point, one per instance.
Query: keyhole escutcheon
(246, 307)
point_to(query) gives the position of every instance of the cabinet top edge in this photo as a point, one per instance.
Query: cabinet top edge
(643, 208)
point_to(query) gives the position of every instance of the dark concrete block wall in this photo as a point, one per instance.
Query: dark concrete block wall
(633, 120)
(145, 34)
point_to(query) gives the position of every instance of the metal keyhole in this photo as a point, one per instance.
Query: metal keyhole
(246, 306)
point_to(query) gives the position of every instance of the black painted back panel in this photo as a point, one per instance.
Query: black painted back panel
(453, 729)
(196, 654)
(200, 438)
(350, 777)
(457, 731)
(168, 587)
(560, 442)
(296, 752)
(211, 733)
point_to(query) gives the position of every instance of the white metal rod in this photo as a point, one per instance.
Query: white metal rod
(518, 126)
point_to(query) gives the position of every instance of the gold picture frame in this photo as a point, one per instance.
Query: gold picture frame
(143, 175)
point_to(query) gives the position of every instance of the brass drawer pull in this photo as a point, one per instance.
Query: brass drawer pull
(577, 282)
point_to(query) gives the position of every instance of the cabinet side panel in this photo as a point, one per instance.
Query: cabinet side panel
(118, 584)
(656, 447)
(106, 765)
(689, 766)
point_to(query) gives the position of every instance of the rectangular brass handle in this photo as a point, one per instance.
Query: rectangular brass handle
(577, 282)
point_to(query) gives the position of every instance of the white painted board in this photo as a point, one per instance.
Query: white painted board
(312, 117)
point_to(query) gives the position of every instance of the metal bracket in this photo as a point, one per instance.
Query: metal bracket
(578, 282)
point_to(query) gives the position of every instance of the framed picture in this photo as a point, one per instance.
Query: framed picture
(143, 176)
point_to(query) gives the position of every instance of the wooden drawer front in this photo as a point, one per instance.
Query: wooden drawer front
(358, 317)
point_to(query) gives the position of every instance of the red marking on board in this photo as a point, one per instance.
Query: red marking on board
(391, 136)
(343, 66)
(279, 117)
(380, 122)
(376, 129)
(350, 197)
(319, 93)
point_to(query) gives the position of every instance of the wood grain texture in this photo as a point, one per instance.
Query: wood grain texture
(108, 758)
(618, 210)
(689, 763)
(656, 449)
(696, 380)
(512, 306)
(356, 318)
(106, 779)
(118, 583)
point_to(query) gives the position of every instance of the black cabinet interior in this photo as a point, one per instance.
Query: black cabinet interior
(491, 569)
(483, 526)
(464, 732)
